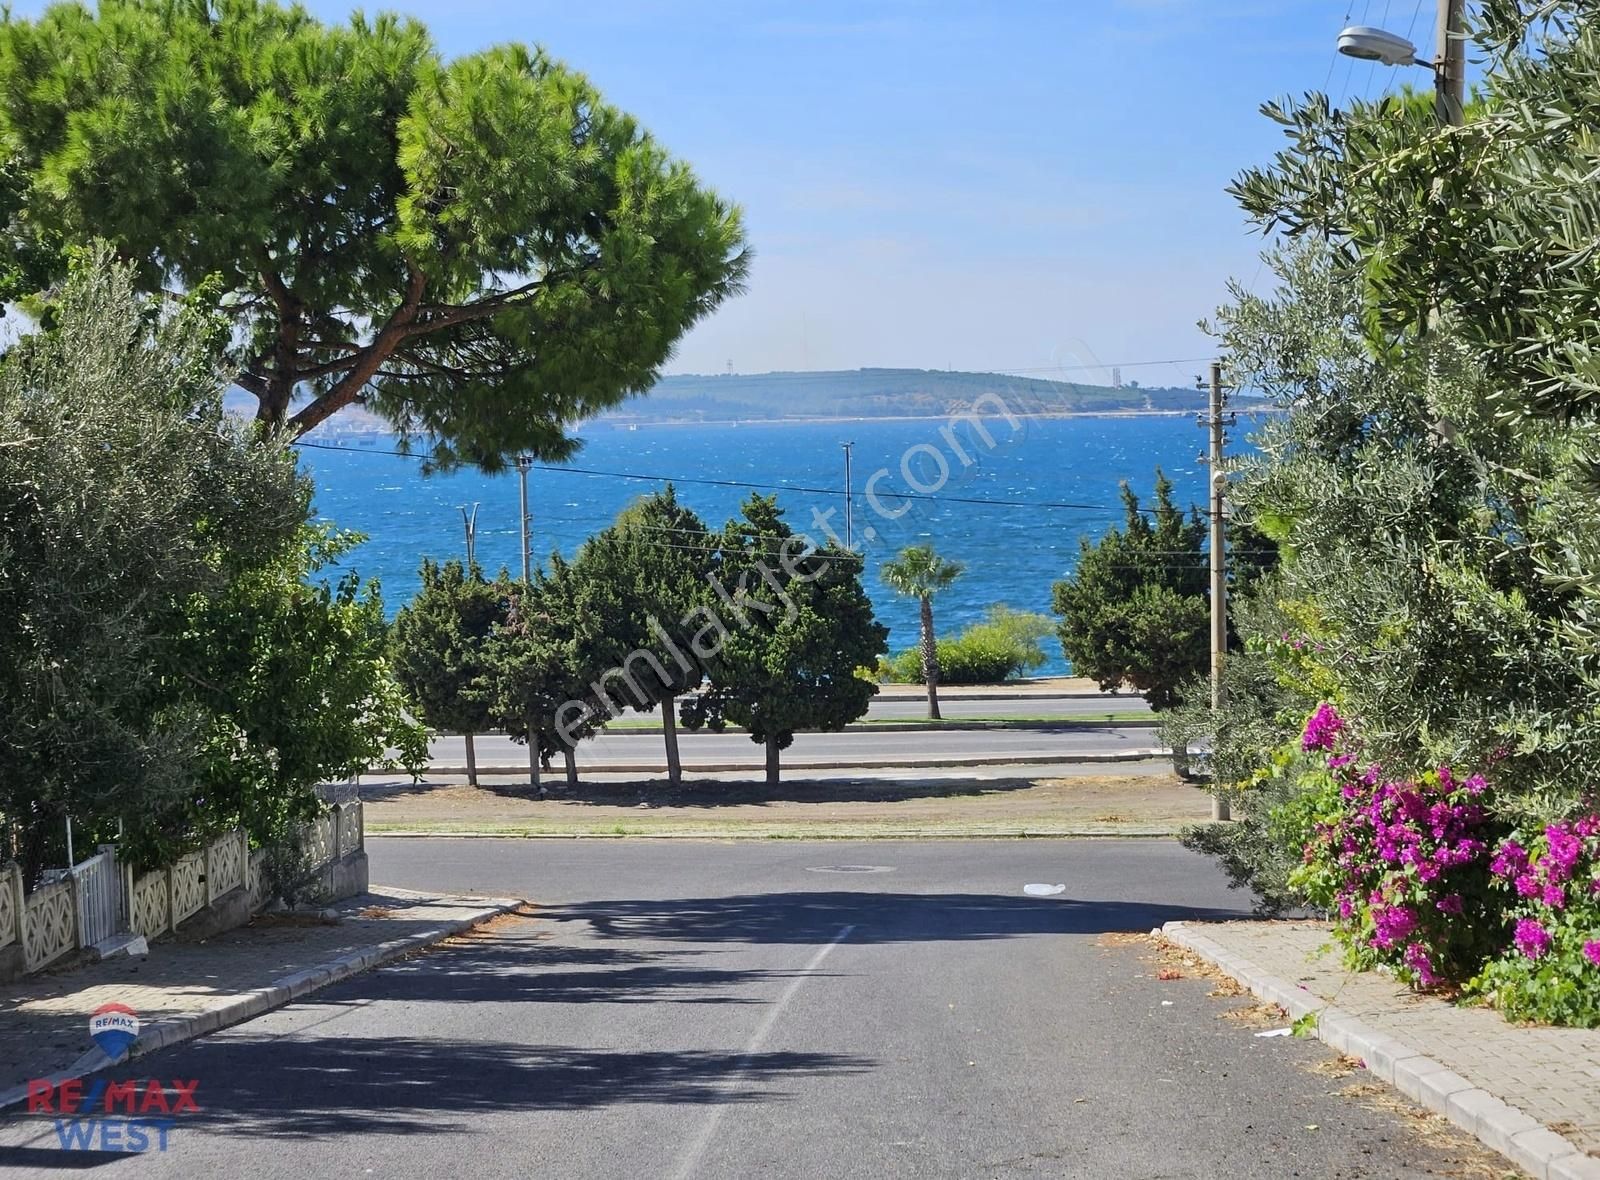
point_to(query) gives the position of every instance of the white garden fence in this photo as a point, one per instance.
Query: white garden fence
(98, 898)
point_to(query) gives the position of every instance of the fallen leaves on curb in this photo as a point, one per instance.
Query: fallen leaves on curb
(1341, 1066)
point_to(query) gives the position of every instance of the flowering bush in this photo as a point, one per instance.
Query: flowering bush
(1401, 864)
(1551, 884)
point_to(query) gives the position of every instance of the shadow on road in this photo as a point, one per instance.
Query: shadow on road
(313, 1086)
(708, 793)
(811, 917)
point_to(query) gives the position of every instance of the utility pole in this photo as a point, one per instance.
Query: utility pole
(523, 463)
(1450, 63)
(470, 523)
(1216, 420)
(848, 539)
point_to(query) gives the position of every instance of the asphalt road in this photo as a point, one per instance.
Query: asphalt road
(780, 1010)
(915, 708)
(644, 751)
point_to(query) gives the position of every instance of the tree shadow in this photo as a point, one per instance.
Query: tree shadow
(317, 1086)
(508, 969)
(818, 916)
(708, 792)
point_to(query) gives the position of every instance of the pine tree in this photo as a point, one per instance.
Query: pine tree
(655, 561)
(438, 649)
(480, 249)
(793, 635)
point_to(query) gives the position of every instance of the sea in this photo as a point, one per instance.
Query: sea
(1009, 498)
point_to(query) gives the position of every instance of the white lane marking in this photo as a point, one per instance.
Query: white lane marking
(697, 1149)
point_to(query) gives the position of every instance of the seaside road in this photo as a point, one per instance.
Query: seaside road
(772, 1009)
(902, 706)
(644, 751)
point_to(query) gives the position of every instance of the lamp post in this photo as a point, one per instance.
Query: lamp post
(1449, 65)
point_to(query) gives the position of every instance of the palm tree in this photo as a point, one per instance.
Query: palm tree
(921, 573)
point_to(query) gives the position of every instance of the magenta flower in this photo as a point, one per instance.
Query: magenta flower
(1532, 939)
(1565, 847)
(1322, 729)
(1510, 861)
(1450, 903)
(1416, 957)
(1591, 951)
(1394, 924)
(1554, 896)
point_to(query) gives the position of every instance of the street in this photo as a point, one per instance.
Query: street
(788, 1009)
(642, 752)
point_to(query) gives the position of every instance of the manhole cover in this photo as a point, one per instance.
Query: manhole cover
(850, 868)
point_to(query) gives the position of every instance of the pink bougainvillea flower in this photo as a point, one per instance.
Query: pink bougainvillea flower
(1510, 861)
(1532, 939)
(1591, 951)
(1322, 729)
(1565, 847)
(1450, 903)
(1416, 957)
(1554, 896)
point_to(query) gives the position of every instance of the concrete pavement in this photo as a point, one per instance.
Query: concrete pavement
(784, 1009)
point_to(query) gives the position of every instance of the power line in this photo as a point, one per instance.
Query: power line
(738, 483)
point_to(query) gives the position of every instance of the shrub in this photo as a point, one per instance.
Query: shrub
(1550, 881)
(1401, 864)
(1004, 645)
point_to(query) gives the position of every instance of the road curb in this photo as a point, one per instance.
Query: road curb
(284, 990)
(955, 761)
(1150, 833)
(1528, 1143)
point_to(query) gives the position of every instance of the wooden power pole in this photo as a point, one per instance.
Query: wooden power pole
(1450, 63)
(1217, 422)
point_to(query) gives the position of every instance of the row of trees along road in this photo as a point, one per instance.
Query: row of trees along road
(480, 250)
(774, 636)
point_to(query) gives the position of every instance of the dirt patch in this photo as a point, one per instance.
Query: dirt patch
(1090, 804)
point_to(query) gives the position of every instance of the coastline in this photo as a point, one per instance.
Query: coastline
(625, 424)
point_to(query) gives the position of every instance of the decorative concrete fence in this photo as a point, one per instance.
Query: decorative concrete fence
(165, 898)
(99, 898)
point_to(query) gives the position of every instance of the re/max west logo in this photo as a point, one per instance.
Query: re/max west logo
(130, 1115)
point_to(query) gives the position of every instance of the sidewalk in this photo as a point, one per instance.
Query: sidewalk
(1530, 1093)
(185, 989)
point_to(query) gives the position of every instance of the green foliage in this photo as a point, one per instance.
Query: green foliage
(794, 624)
(163, 665)
(1136, 612)
(481, 249)
(437, 645)
(1550, 882)
(548, 657)
(1001, 647)
(295, 676)
(653, 562)
(919, 572)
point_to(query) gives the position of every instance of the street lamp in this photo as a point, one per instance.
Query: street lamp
(1370, 44)
(1367, 43)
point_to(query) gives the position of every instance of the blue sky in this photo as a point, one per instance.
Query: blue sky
(1004, 186)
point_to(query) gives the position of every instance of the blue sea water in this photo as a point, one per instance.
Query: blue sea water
(1012, 553)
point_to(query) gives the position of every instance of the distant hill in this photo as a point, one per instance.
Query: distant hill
(853, 393)
(882, 393)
